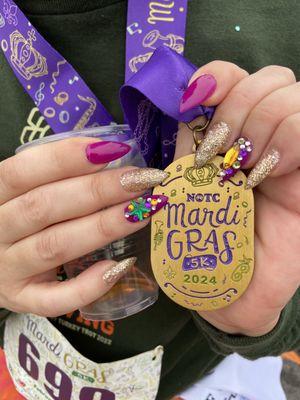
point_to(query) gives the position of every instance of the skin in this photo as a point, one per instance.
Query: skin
(265, 107)
(39, 233)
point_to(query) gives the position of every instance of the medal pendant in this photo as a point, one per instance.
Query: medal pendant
(202, 241)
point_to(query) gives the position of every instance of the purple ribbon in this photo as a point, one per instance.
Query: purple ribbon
(150, 25)
(57, 89)
(150, 98)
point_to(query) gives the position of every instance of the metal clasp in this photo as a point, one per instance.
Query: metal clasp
(197, 130)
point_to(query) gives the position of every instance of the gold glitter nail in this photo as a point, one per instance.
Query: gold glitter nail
(212, 143)
(143, 178)
(118, 270)
(262, 169)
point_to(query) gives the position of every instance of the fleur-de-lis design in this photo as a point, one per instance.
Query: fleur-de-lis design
(10, 13)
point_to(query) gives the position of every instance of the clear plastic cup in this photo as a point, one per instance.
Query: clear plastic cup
(138, 289)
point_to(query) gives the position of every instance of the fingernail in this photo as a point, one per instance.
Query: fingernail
(118, 270)
(142, 179)
(212, 143)
(144, 207)
(199, 90)
(262, 169)
(235, 158)
(104, 152)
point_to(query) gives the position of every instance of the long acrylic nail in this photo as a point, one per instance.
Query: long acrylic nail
(144, 207)
(235, 158)
(142, 179)
(212, 143)
(262, 169)
(118, 270)
(104, 152)
(198, 92)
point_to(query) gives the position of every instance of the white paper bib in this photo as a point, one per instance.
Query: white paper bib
(44, 365)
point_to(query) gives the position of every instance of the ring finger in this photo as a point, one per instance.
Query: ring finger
(61, 243)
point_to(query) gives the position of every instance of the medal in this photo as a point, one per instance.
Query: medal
(202, 243)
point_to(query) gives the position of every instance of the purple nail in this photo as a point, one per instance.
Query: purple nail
(105, 152)
(199, 90)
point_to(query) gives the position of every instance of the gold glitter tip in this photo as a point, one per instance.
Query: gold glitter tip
(118, 270)
(213, 142)
(141, 179)
(262, 169)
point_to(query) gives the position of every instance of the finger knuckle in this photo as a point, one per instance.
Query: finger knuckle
(104, 228)
(266, 112)
(97, 190)
(291, 124)
(35, 207)
(50, 248)
(9, 175)
(281, 70)
(241, 98)
(229, 66)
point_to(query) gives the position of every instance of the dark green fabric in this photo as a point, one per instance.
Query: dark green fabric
(91, 35)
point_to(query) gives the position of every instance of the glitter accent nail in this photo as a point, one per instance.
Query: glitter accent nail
(212, 143)
(144, 207)
(118, 270)
(262, 169)
(235, 158)
(142, 179)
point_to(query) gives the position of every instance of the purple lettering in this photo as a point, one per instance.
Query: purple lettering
(169, 245)
(61, 384)
(89, 394)
(227, 252)
(26, 354)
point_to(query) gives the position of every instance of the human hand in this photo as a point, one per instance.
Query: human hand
(57, 203)
(265, 108)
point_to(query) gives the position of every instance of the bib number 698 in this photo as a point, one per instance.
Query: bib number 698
(59, 385)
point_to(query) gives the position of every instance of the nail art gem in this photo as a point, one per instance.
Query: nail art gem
(118, 270)
(144, 207)
(235, 158)
(199, 90)
(262, 169)
(142, 179)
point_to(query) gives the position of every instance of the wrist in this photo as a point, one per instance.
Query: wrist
(231, 328)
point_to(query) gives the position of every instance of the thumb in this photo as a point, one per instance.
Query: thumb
(210, 84)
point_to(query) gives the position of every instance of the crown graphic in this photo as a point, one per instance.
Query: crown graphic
(201, 176)
(25, 58)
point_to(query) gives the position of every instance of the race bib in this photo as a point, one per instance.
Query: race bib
(44, 365)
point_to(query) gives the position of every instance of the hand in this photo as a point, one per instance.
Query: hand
(56, 205)
(265, 108)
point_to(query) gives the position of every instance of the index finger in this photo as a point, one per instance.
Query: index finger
(55, 161)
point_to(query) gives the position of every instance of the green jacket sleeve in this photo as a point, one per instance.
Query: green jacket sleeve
(3, 315)
(284, 337)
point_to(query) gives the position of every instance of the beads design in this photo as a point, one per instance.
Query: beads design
(144, 207)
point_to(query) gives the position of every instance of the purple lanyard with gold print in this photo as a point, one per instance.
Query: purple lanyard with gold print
(57, 89)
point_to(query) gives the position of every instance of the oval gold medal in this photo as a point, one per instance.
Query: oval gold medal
(202, 241)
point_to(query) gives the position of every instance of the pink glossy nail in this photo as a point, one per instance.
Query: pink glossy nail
(104, 152)
(198, 92)
(144, 207)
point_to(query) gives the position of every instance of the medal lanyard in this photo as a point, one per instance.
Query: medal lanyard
(57, 89)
